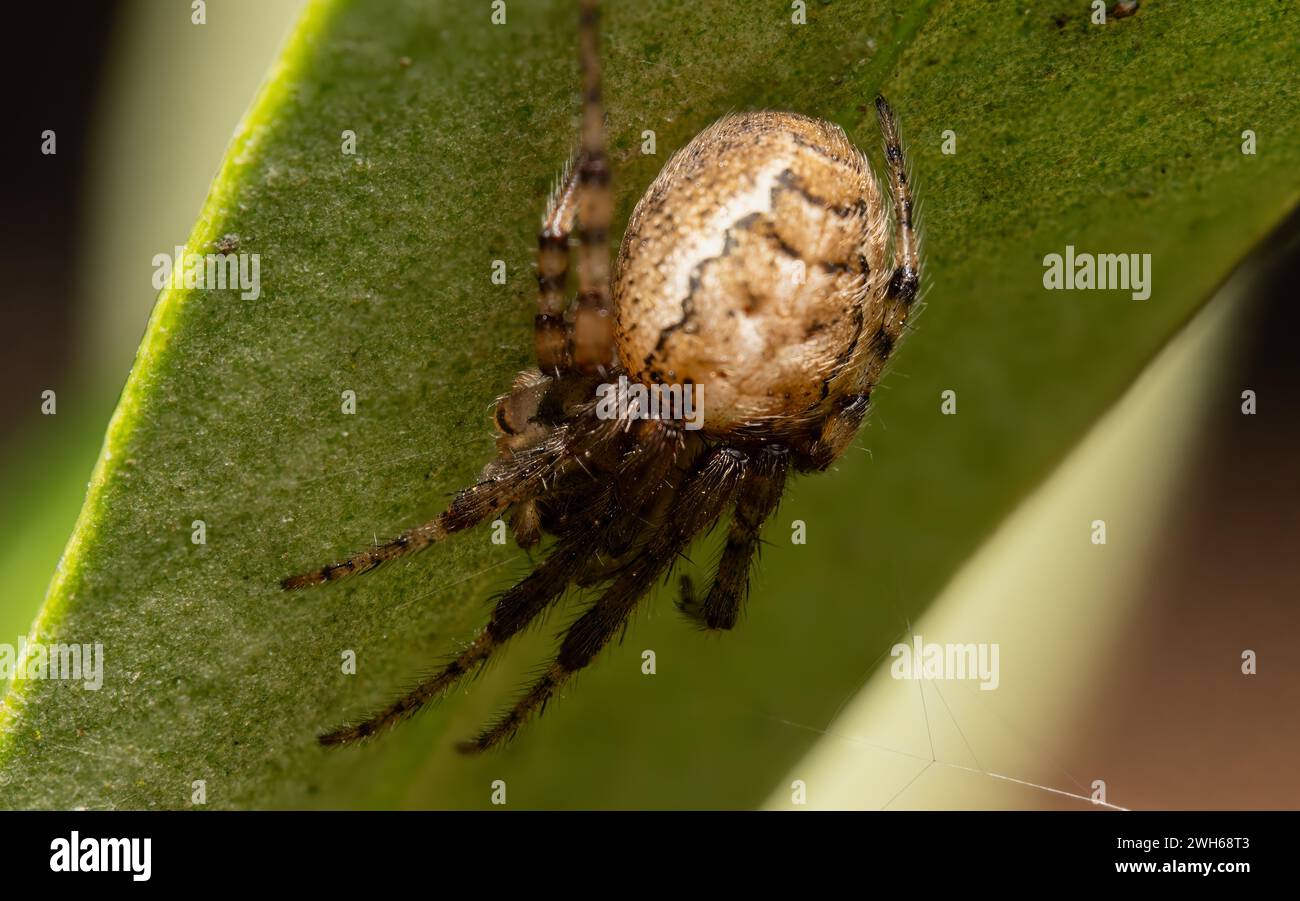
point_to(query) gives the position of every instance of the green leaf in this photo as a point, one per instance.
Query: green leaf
(375, 278)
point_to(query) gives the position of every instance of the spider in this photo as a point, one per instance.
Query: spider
(755, 266)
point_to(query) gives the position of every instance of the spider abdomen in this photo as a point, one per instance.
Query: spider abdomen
(754, 266)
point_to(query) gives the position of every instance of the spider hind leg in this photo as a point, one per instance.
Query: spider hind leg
(514, 610)
(577, 545)
(701, 499)
(757, 498)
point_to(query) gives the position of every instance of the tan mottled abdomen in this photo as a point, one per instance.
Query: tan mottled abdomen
(754, 266)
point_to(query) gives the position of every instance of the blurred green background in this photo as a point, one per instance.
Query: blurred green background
(142, 123)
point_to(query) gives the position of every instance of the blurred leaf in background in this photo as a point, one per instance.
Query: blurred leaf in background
(149, 154)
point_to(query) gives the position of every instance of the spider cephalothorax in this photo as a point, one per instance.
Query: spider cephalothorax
(754, 272)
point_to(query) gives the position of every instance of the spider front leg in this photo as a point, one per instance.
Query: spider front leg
(514, 477)
(907, 262)
(593, 323)
(514, 610)
(898, 295)
(539, 590)
(470, 507)
(757, 498)
(584, 198)
(550, 333)
(699, 502)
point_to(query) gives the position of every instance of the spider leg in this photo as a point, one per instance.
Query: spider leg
(517, 411)
(652, 487)
(514, 610)
(593, 326)
(550, 334)
(647, 478)
(627, 466)
(699, 502)
(757, 498)
(898, 296)
(907, 263)
(526, 524)
(511, 478)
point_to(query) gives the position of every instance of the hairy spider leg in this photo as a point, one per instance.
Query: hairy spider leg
(593, 325)
(900, 292)
(514, 610)
(757, 497)
(702, 498)
(514, 477)
(907, 262)
(531, 597)
(550, 333)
